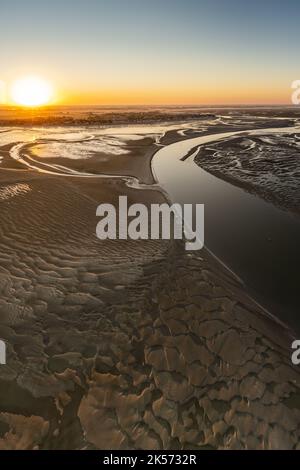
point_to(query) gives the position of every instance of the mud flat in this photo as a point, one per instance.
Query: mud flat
(127, 344)
(253, 235)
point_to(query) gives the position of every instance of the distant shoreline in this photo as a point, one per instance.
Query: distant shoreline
(110, 115)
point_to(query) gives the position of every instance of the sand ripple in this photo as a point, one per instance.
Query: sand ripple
(266, 165)
(128, 345)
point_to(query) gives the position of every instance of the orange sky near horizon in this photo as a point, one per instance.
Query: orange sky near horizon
(202, 95)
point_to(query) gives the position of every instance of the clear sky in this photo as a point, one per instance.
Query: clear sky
(154, 51)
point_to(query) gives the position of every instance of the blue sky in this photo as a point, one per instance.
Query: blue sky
(164, 51)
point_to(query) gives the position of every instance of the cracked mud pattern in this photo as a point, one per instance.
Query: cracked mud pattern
(129, 346)
(266, 165)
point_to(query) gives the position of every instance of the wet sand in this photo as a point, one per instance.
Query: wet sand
(256, 238)
(128, 344)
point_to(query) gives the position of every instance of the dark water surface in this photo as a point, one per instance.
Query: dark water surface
(257, 240)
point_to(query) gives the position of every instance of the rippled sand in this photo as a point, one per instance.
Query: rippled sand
(121, 345)
(265, 165)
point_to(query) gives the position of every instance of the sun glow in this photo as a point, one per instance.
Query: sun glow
(31, 91)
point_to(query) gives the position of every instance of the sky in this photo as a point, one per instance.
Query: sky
(218, 52)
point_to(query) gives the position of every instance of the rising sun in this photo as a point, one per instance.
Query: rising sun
(31, 91)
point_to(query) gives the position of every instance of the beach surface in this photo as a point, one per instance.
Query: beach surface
(123, 344)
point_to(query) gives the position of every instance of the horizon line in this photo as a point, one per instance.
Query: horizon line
(56, 105)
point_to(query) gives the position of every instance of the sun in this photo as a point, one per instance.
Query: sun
(31, 91)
